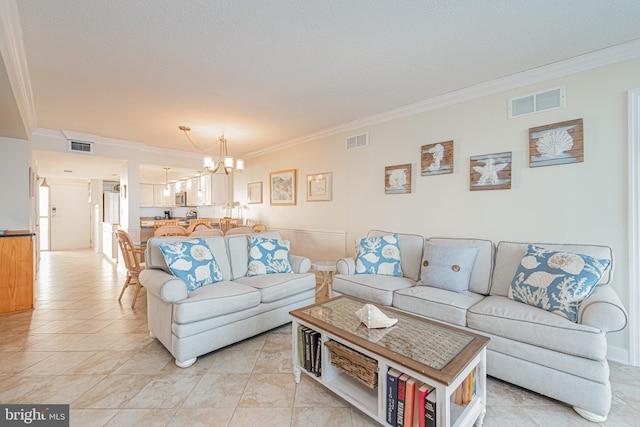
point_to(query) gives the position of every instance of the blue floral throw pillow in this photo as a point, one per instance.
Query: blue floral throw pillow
(191, 261)
(556, 281)
(378, 255)
(267, 256)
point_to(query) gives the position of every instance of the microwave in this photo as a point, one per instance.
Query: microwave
(181, 198)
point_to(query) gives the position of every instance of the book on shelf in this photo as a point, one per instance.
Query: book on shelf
(409, 402)
(301, 344)
(313, 336)
(307, 349)
(402, 385)
(317, 360)
(427, 404)
(392, 395)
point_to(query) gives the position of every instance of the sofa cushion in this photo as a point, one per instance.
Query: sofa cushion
(238, 247)
(267, 256)
(434, 303)
(276, 286)
(411, 248)
(378, 255)
(191, 261)
(212, 301)
(524, 323)
(371, 287)
(155, 259)
(447, 267)
(509, 254)
(556, 281)
(480, 279)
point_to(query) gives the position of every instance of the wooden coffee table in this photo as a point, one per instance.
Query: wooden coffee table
(432, 353)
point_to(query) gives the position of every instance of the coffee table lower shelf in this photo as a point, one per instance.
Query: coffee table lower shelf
(373, 401)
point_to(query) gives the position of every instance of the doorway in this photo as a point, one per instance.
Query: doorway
(69, 209)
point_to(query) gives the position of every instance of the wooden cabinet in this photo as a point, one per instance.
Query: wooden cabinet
(146, 196)
(162, 201)
(16, 272)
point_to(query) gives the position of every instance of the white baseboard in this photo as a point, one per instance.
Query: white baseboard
(617, 354)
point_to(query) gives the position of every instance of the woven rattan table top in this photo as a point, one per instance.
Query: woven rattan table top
(422, 341)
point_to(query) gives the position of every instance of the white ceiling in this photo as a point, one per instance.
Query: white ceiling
(269, 72)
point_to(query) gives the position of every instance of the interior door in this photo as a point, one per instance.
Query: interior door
(70, 217)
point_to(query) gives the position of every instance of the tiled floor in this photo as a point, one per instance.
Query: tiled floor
(83, 348)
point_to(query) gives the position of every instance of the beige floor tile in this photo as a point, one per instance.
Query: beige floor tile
(142, 417)
(554, 415)
(47, 388)
(359, 419)
(114, 391)
(102, 363)
(205, 417)
(217, 390)
(234, 362)
(167, 391)
(13, 362)
(274, 362)
(90, 417)
(265, 417)
(310, 394)
(145, 362)
(269, 390)
(320, 417)
(508, 416)
(94, 342)
(59, 363)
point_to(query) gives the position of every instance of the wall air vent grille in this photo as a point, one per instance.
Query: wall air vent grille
(545, 100)
(357, 141)
(80, 146)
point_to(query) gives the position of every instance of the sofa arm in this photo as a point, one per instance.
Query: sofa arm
(603, 310)
(346, 266)
(300, 264)
(163, 285)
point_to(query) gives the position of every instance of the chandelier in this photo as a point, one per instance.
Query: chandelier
(224, 159)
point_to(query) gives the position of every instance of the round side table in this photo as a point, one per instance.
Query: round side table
(327, 268)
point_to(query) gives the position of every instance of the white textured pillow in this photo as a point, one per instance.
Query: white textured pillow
(447, 267)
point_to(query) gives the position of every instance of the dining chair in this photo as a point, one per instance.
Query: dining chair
(259, 228)
(228, 223)
(195, 224)
(170, 230)
(130, 255)
(207, 232)
(164, 222)
(239, 230)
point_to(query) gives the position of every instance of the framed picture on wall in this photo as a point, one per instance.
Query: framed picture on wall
(490, 172)
(254, 192)
(397, 179)
(319, 187)
(436, 159)
(283, 188)
(556, 144)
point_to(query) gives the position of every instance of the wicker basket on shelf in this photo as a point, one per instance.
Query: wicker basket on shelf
(355, 364)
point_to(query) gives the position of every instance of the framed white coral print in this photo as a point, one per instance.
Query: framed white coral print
(283, 188)
(254, 192)
(397, 179)
(319, 187)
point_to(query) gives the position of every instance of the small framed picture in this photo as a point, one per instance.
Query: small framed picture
(436, 159)
(254, 192)
(556, 144)
(397, 179)
(490, 172)
(319, 187)
(283, 188)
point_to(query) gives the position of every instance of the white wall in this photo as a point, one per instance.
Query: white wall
(14, 184)
(581, 203)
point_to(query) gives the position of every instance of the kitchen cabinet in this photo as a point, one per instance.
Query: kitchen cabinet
(219, 188)
(146, 196)
(162, 201)
(192, 187)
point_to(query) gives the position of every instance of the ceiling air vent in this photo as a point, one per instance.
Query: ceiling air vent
(358, 141)
(545, 100)
(80, 146)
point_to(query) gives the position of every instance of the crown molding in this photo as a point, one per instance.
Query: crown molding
(600, 58)
(15, 61)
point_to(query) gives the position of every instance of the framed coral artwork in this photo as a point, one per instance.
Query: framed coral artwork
(490, 172)
(397, 179)
(436, 159)
(556, 144)
(319, 187)
(283, 187)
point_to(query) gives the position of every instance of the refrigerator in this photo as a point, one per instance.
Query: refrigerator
(111, 208)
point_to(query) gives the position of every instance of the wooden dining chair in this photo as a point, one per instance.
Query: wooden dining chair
(164, 222)
(228, 223)
(195, 224)
(205, 232)
(239, 230)
(259, 228)
(170, 230)
(130, 254)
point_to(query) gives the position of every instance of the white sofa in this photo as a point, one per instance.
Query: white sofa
(190, 324)
(530, 347)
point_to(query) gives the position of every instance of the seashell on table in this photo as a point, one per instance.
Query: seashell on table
(373, 318)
